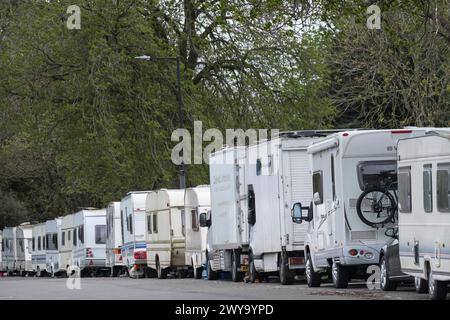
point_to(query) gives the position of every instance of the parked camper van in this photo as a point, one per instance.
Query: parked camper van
(165, 237)
(52, 239)
(132, 212)
(66, 244)
(89, 241)
(9, 254)
(424, 209)
(197, 204)
(38, 252)
(228, 233)
(114, 259)
(277, 174)
(349, 221)
(24, 235)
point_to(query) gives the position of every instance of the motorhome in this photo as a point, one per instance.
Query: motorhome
(197, 202)
(165, 239)
(424, 208)
(24, 235)
(66, 244)
(228, 231)
(9, 254)
(277, 174)
(53, 264)
(114, 259)
(38, 250)
(89, 242)
(134, 252)
(350, 219)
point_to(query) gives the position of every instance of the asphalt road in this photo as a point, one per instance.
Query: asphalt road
(184, 289)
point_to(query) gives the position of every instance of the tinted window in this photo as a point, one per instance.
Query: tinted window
(155, 222)
(318, 185)
(149, 224)
(258, 167)
(100, 234)
(194, 214)
(404, 190)
(443, 189)
(63, 239)
(39, 243)
(427, 189)
(373, 174)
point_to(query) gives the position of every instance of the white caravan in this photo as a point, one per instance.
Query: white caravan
(228, 233)
(277, 175)
(114, 259)
(197, 204)
(9, 253)
(24, 235)
(38, 256)
(52, 240)
(424, 210)
(165, 238)
(353, 212)
(89, 245)
(1, 250)
(66, 243)
(132, 212)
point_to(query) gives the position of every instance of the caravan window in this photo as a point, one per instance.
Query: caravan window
(155, 222)
(63, 238)
(131, 224)
(81, 234)
(404, 190)
(427, 189)
(183, 224)
(318, 185)
(39, 243)
(149, 224)
(375, 174)
(443, 188)
(100, 234)
(258, 167)
(74, 236)
(68, 235)
(33, 244)
(194, 214)
(21, 245)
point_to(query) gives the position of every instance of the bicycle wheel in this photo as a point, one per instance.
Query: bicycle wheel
(376, 207)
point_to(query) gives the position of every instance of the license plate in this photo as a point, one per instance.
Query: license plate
(296, 261)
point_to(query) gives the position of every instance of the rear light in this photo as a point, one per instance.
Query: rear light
(140, 255)
(361, 252)
(401, 131)
(353, 252)
(89, 253)
(345, 134)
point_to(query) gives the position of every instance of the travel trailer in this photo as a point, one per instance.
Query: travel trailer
(38, 250)
(53, 264)
(424, 207)
(277, 174)
(66, 244)
(24, 235)
(350, 220)
(89, 242)
(228, 231)
(134, 252)
(114, 259)
(165, 238)
(197, 203)
(1, 250)
(9, 253)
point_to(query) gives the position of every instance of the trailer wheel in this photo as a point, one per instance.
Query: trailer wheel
(162, 273)
(286, 277)
(313, 278)
(421, 285)
(236, 276)
(386, 283)
(436, 289)
(340, 275)
(212, 275)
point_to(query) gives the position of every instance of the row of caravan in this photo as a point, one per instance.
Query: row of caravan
(145, 229)
(322, 204)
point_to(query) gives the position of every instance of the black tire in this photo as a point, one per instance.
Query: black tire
(286, 277)
(436, 289)
(236, 276)
(252, 273)
(162, 273)
(340, 276)
(212, 275)
(386, 283)
(421, 285)
(390, 206)
(313, 278)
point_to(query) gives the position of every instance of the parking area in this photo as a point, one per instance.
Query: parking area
(186, 289)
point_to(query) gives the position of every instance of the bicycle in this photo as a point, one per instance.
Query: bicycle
(377, 205)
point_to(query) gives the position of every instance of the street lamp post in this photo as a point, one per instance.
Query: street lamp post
(180, 106)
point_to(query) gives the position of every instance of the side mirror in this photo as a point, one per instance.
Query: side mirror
(203, 221)
(296, 212)
(316, 199)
